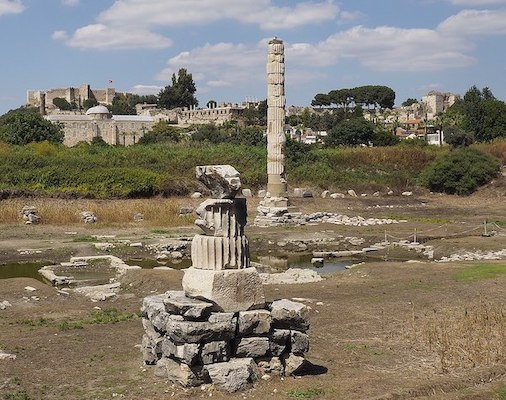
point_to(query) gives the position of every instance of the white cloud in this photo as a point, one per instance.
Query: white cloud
(219, 65)
(60, 35)
(146, 14)
(387, 49)
(70, 3)
(99, 36)
(475, 22)
(184, 12)
(144, 90)
(11, 7)
(476, 3)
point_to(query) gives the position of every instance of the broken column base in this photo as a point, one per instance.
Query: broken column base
(276, 211)
(189, 343)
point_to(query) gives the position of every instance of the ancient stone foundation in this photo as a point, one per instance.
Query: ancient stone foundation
(190, 343)
(219, 329)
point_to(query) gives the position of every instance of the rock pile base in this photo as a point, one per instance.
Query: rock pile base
(191, 343)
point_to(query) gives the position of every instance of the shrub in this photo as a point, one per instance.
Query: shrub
(461, 172)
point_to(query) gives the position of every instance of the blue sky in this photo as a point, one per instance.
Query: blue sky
(412, 46)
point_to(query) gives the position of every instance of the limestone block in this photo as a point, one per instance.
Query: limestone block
(178, 372)
(186, 352)
(218, 253)
(149, 329)
(215, 352)
(152, 305)
(325, 194)
(292, 363)
(181, 331)
(297, 192)
(271, 366)
(262, 193)
(352, 193)
(222, 180)
(151, 349)
(193, 309)
(257, 346)
(299, 342)
(287, 314)
(230, 290)
(160, 321)
(196, 195)
(232, 376)
(254, 322)
(337, 196)
(317, 262)
(278, 341)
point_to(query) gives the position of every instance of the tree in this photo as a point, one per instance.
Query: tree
(122, 105)
(461, 171)
(408, 102)
(63, 104)
(458, 137)
(26, 125)
(88, 103)
(161, 132)
(180, 93)
(351, 132)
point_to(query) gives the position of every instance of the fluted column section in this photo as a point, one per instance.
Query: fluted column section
(276, 184)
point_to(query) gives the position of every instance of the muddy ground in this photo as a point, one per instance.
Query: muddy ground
(386, 329)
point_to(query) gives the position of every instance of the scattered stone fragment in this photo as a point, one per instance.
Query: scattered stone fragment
(4, 304)
(30, 215)
(196, 195)
(317, 262)
(292, 363)
(88, 217)
(138, 217)
(30, 288)
(407, 193)
(325, 194)
(185, 210)
(352, 193)
(247, 193)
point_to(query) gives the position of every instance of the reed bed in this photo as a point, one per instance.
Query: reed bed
(463, 337)
(156, 211)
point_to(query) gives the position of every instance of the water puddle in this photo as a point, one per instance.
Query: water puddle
(95, 274)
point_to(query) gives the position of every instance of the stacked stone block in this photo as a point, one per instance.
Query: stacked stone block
(191, 343)
(219, 329)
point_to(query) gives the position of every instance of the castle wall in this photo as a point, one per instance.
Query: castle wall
(218, 115)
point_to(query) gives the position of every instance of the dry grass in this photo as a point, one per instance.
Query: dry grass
(464, 337)
(496, 148)
(157, 211)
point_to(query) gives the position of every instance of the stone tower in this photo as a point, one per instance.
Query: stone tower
(276, 184)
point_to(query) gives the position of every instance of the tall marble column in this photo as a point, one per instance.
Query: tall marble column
(276, 183)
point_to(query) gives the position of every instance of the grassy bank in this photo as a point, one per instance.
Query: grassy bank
(168, 169)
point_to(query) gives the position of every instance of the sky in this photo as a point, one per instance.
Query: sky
(412, 46)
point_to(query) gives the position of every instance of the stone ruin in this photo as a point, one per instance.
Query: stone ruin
(30, 215)
(220, 329)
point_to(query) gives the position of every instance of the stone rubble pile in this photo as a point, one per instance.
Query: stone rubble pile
(30, 215)
(477, 255)
(191, 343)
(88, 217)
(273, 217)
(219, 329)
